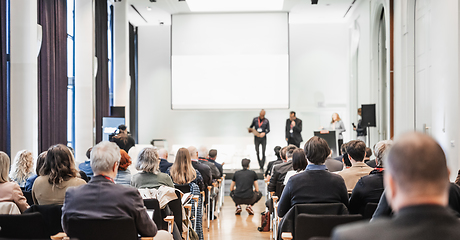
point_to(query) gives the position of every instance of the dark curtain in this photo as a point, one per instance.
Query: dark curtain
(4, 133)
(102, 77)
(133, 74)
(52, 74)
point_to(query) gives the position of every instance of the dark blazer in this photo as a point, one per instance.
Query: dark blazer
(368, 189)
(270, 165)
(215, 173)
(296, 130)
(205, 172)
(313, 186)
(415, 222)
(218, 165)
(103, 199)
(278, 174)
(164, 165)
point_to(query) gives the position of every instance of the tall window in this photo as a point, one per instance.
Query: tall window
(71, 73)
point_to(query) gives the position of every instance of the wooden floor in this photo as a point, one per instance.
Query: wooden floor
(228, 226)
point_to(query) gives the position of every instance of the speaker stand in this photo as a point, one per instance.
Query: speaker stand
(368, 136)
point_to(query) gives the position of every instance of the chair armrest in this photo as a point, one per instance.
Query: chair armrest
(275, 199)
(60, 236)
(170, 221)
(286, 235)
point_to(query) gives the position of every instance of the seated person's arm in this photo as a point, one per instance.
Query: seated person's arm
(273, 181)
(256, 186)
(284, 204)
(232, 186)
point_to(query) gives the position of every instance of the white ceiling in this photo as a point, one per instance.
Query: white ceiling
(302, 11)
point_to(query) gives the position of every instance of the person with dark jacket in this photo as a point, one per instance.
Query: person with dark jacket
(280, 170)
(369, 188)
(315, 184)
(417, 188)
(123, 139)
(164, 164)
(204, 170)
(278, 160)
(293, 130)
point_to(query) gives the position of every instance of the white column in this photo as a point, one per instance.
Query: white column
(84, 78)
(24, 96)
(121, 78)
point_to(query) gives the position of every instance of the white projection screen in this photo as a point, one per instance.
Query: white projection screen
(230, 61)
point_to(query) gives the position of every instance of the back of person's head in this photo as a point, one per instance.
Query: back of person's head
(193, 152)
(316, 150)
(283, 153)
(4, 167)
(343, 149)
(245, 163)
(381, 149)
(88, 152)
(299, 162)
(22, 165)
(417, 164)
(202, 152)
(125, 160)
(182, 171)
(356, 149)
(368, 152)
(40, 162)
(163, 153)
(277, 150)
(122, 127)
(103, 156)
(148, 160)
(212, 153)
(290, 150)
(59, 164)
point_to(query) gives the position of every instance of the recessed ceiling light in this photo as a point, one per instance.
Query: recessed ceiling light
(234, 5)
(149, 9)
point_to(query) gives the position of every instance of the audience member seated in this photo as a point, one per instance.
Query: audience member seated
(270, 164)
(212, 155)
(164, 164)
(279, 171)
(204, 170)
(148, 162)
(315, 184)
(86, 165)
(124, 175)
(101, 198)
(182, 172)
(244, 188)
(10, 191)
(57, 174)
(345, 159)
(332, 164)
(356, 150)
(30, 181)
(367, 159)
(123, 139)
(299, 163)
(215, 173)
(369, 188)
(417, 183)
(22, 167)
(457, 180)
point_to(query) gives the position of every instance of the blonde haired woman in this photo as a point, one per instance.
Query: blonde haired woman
(22, 167)
(10, 191)
(182, 172)
(338, 126)
(57, 174)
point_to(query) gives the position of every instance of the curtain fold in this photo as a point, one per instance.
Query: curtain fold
(4, 133)
(102, 77)
(52, 74)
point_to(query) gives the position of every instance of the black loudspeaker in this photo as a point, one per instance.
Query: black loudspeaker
(117, 111)
(368, 115)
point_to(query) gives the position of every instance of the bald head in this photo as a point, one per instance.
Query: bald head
(163, 153)
(262, 114)
(417, 164)
(193, 152)
(203, 152)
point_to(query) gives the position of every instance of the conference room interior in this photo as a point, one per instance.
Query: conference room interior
(196, 75)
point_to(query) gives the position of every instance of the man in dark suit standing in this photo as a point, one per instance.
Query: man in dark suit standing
(293, 130)
(417, 183)
(101, 198)
(262, 127)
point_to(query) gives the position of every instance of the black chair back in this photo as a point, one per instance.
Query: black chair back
(312, 225)
(154, 205)
(29, 198)
(52, 216)
(176, 208)
(369, 210)
(102, 229)
(23, 226)
(184, 188)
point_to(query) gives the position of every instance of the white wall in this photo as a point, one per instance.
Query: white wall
(318, 76)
